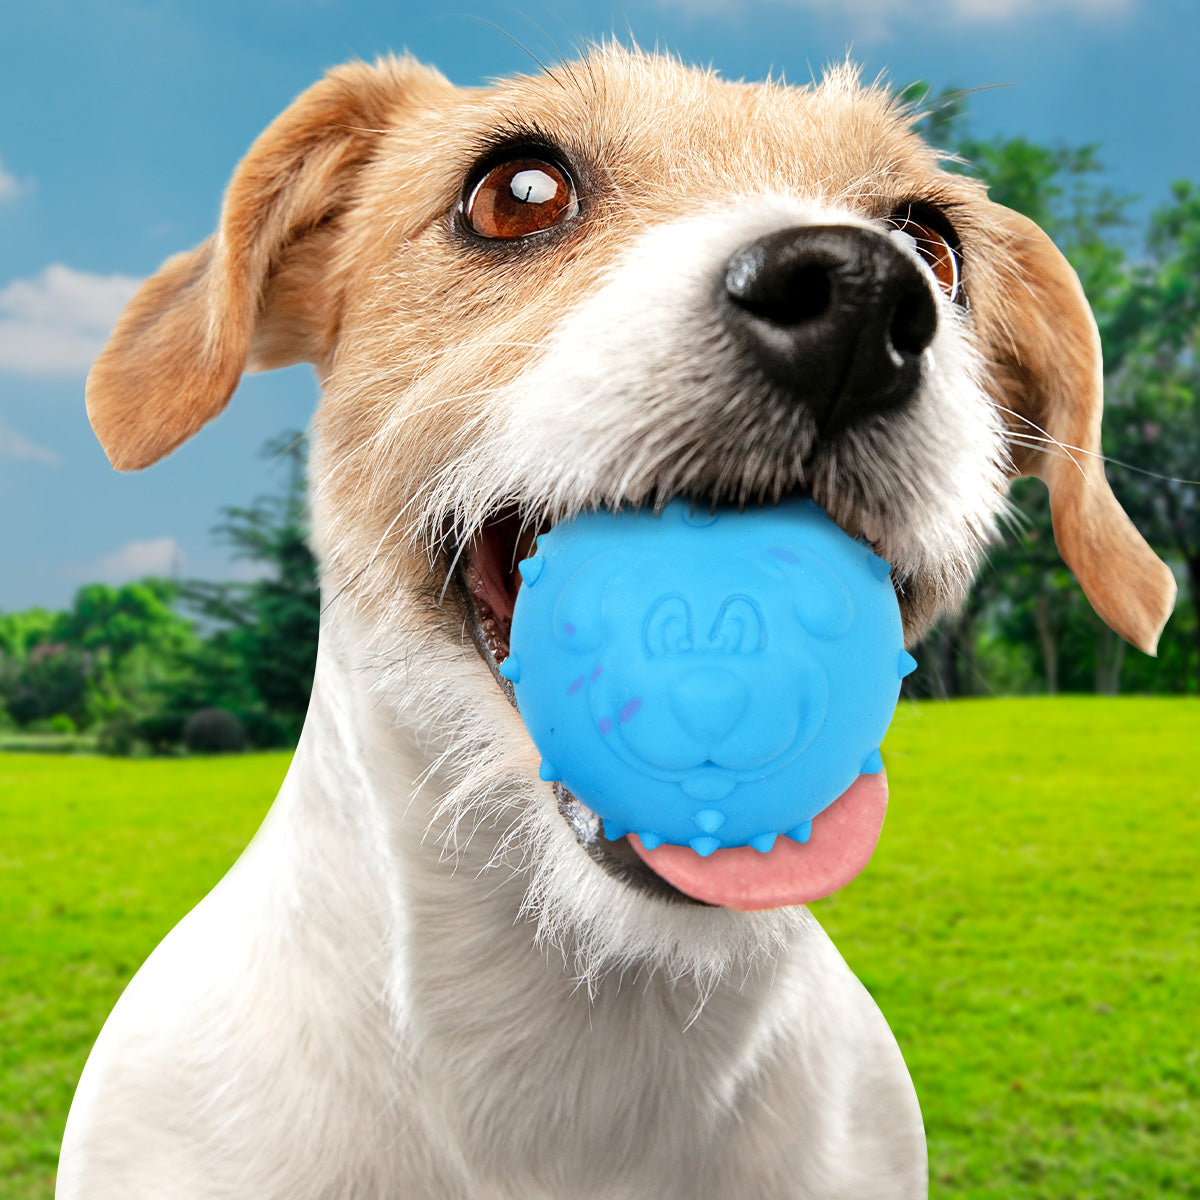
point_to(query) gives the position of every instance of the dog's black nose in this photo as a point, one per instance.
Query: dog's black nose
(837, 316)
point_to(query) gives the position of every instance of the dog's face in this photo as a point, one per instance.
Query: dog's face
(616, 283)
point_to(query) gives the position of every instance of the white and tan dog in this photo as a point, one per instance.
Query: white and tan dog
(430, 975)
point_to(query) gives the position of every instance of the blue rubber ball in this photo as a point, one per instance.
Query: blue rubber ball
(706, 679)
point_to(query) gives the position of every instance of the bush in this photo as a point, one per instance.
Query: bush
(266, 731)
(162, 732)
(214, 731)
(117, 738)
(58, 723)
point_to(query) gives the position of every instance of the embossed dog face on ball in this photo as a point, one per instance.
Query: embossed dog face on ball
(707, 678)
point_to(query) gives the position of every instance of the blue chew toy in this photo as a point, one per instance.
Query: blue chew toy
(706, 680)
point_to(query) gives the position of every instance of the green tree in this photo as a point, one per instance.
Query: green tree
(20, 631)
(101, 658)
(1058, 187)
(1025, 598)
(126, 657)
(55, 680)
(259, 658)
(134, 637)
(1153, 338)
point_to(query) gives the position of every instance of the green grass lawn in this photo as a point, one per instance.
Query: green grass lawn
(1029, 928)
(98, 859)
(1028, 925)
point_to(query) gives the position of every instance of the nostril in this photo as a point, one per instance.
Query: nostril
(807, 298)
(783, 297)
(913, 323)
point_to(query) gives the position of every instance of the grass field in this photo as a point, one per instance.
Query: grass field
(1029, 927)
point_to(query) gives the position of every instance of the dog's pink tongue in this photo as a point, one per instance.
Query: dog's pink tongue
(842, 841)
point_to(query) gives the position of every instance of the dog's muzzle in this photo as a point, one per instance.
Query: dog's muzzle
(836, 316)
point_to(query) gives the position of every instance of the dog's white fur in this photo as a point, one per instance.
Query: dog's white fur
(415, 982)
(364, 1020)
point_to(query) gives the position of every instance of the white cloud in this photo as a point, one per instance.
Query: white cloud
(10, 186)
(1006, 10)
(158, 556)
(17, 445)
(244, 570)
(57, 322)
(883, 13)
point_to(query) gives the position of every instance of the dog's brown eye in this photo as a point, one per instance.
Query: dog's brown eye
(933, 247)
(520, 197)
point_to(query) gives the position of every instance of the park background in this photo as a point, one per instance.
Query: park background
(1035, 966)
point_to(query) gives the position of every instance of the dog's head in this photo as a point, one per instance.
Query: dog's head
(615, 283)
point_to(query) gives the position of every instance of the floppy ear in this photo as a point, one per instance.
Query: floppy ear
(259, 288)
(1048, 373)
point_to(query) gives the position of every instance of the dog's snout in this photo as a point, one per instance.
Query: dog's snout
(835, 315)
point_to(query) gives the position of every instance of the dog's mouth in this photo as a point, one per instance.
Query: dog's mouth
(487, 581)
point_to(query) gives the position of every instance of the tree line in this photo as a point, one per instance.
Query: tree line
(160, 664)
(1026, 626)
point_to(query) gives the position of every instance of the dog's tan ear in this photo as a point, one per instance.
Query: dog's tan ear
(258, 288)
(1048, 375)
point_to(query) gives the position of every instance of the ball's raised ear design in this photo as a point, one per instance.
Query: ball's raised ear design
(260, 288)
(1047, 375)
(822, 601)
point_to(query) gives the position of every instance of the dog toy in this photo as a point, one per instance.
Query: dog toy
(706, 679)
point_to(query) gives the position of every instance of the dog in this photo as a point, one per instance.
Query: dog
(614, 283)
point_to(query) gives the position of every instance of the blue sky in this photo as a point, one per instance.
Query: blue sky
(122, 120)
